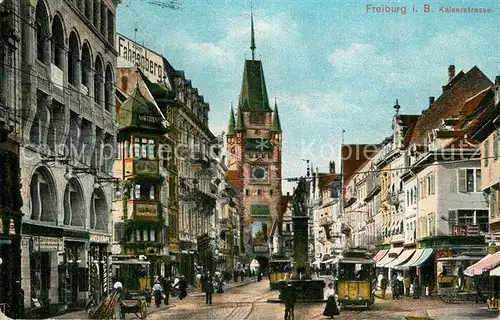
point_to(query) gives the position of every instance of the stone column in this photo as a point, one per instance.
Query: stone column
(97, 14)
(300, 252)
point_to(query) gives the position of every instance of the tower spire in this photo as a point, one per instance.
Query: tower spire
(252, 37)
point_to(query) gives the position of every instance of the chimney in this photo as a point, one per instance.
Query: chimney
(332, 166)
(451, 72)
(431, 101)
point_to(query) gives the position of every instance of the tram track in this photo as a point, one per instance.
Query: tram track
(239, 311)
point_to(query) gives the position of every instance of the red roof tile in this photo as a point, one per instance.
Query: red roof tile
(449, 104)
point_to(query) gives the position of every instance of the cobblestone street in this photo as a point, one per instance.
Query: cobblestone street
(250, 302)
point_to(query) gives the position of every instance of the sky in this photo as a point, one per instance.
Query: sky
(331, 65)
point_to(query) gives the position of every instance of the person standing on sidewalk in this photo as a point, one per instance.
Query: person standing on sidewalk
(157, 290)
(182, 288)
(209, 290)
(383, 286)
(407, 285)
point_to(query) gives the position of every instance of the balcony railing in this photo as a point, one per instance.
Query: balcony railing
(143, 209)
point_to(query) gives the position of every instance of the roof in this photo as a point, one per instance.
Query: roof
(137, 112)
(463, 86)
(253, 96)
(230, 131)
(233, 176)
(240, 124)
(326, 179)
(276, 125)
(158, 90)
(354, 156)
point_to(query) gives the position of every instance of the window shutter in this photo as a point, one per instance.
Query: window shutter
(478, 180)
(452, 218)
(486, 151)
(462, 180)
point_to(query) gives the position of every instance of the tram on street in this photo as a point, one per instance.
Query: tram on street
(133, 272)
(279, 269)
(355, 284)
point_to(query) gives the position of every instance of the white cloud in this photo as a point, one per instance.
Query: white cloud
(358, 55)
(315, 105)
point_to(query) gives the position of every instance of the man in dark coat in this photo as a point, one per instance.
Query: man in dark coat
(209, 290)
(289, 297)
(395, 287)
(167, 285)
(235, 275)
(182, 288)
(242, 274)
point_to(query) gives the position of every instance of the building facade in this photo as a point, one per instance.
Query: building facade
(254, 156)
(68, 137)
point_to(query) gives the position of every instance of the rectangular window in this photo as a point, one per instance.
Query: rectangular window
(469, 180)
(493, 203)
(137, 235)
(247, 192)
(151, 149)
(496, 146)
(137, 148)
(259, 192)
(152, 235)
(145, 235)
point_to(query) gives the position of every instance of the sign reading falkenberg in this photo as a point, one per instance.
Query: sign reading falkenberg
(133, 54)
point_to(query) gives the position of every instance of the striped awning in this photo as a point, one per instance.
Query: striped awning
(487, 263)
(413, 259)
(380, 255)
(391, 255)
(423, 258)
(403, 257)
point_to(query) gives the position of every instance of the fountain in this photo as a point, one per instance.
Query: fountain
(307, 289)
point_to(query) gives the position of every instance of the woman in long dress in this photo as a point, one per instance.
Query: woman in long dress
(331, 308)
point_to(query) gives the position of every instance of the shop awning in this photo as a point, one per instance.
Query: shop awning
(403, 257)
(487, 263)
(425, 255)
(391, 255)
(413, 259)
(380, 255)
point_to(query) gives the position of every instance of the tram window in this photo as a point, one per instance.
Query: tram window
(355, 271)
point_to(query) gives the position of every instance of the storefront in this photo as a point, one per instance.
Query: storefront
(99, 265)
(11, 299)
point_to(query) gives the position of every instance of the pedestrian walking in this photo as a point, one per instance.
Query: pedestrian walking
(259, 275)
(290, 296)
(407, 285)
(167, 285)
(157, 291)
(147, 296)
(182, 288)
(209, 290)
(235, 275)
(383, 286)
(242, 275)
(395, 287)
(331, 308)
(416, 288)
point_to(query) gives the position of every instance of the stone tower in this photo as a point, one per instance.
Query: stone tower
(254, 143)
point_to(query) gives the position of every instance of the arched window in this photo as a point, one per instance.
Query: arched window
(98, 81)
(74, 209)
(86, 66)
(43, 196)
(108, 89)
(57, 49)
(42, 32)
(99, 213)
(73, 59)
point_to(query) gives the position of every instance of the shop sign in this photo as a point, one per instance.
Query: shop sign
(146, 210)
(146, 167)
(260, 249)
(459, 231)
(47, 244)
(99, 238)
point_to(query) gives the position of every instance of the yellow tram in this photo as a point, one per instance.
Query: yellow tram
(132, 272)
(355, 284)
(279, 269)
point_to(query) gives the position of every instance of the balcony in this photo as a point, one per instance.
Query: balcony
(200, 161)
(142, 210)
(145, 167)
